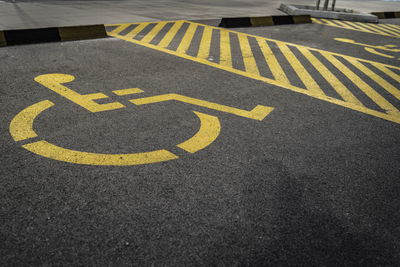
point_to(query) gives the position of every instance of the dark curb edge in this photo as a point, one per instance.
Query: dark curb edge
(264, 21)
(387, 15)
(55, 34)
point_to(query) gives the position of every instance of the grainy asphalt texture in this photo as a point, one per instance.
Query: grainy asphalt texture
(314, 184)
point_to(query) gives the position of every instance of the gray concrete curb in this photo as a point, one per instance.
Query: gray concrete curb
(341, 15)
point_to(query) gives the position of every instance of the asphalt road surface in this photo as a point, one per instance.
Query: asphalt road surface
(182, 169)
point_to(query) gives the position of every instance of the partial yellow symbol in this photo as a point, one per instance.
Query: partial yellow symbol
(54, 82)
(21, 127)
(372, 48)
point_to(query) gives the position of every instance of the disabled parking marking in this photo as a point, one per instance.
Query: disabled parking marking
(21, 126)
(282, 64)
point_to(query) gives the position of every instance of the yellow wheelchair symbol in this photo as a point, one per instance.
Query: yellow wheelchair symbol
(373, 48)
(21, 127)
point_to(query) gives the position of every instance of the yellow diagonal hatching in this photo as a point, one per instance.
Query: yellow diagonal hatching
(225, 56)
(183, 39)
(330, 77)
(187, 39)
(382, 29)
(247, 54)
(368, 90)
(149, 37)
(120, 28)
(272, 62)
(301, 71)
(137, 30)
(205, 44)
(171, 34)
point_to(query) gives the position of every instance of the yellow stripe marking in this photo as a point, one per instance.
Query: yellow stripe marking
(209, 131)
(344, 25)
(330, 22)
(373, 51)
(272, 62)
(187, 39)
(54, 82)
(330, 77)
(48, 150)
(303, 74)
(120, 28)
(372, 28)
(225, 49)
(257, 113)
(363, 29)
(387, 86)
(205, 44)
(371, 93)
(156, 29)
(388, 72)
(21, 127)
(293, 88)
(137, 30)
(247, 54)
(385, 30)
(388, 26)
(171, 34)
(129, 91)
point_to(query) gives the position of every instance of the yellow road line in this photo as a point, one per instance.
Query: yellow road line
(388, 26)
(129, 91)
(187, 39)
(383, 29)
(225, 49)
(150, 36)
(205, 44)
(388, 72)
(371, 93)
(383, 83)
(341, 23)
(210, 129)
(359, 27)
(137, 30)
(257, 113)
(366, 25)
(247, 54)
(303, 74)
(171, 34)
(21, 126)
(330, 78)
(120, 28)
(272, 62)
(48, 150)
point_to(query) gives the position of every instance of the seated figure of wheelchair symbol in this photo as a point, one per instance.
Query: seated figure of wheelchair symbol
(21, 127)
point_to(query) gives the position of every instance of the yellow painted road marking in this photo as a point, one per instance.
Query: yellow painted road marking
(311, 80)
(383, 83)
(258, 113)
(373, 51)
(332, 80)
(205, 44)
(129, 91)
(48, 150)
(171, 34)
(247, 54)
(120, 28)
(272, 62)
(371, 93)
(21, 127)
(187, 39)
(225, 47)
(149, 37)
(303, 74)
(137, 30)
(381, 29)
(388, 72)
(209, 131)
(54, 82)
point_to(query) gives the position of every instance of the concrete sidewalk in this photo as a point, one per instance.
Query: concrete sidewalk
(37, 14)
